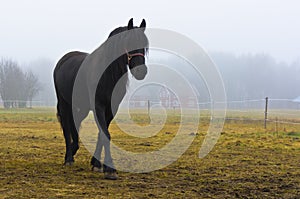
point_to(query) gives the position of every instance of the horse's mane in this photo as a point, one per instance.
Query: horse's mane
(118, 30)
(138, 37)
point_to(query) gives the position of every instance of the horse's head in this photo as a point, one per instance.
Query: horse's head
(136, 58)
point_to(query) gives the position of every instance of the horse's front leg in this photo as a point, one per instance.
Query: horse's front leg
(95, 162)
(104, 140)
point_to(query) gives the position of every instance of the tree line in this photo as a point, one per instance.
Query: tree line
(17, 87)
(245, 76)
(255, 76)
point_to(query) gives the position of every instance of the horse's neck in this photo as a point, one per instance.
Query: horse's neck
(96, 64)
(119, 73)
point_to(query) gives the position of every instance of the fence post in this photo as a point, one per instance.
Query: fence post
(148, 103)
(276, 126)
(212, 109)
(266, 112)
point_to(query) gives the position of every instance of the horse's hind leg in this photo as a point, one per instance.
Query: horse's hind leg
(75, 120)
(64, 118)
(74, 135)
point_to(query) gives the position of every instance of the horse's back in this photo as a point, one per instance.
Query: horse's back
(65, 73)
(69, 55)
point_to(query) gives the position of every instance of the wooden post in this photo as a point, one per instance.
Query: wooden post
(266, 112)
(212, 109)
(148, 103)
(276, 126)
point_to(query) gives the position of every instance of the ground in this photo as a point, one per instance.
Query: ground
(247, 162)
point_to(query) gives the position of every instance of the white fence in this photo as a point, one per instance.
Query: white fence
(22, 103)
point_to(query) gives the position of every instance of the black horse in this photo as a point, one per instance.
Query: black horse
(95, 77)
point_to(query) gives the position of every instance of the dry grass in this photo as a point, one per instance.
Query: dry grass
(247, 162)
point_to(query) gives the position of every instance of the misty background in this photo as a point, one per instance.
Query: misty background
(255, 44)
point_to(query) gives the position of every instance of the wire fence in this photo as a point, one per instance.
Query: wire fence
(26, 103)
(278, 111)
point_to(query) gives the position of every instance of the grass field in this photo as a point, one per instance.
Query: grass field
(247, 161)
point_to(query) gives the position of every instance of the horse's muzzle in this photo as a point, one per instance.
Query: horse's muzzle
(139, 72)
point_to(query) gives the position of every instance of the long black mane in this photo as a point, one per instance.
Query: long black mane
(138, 37)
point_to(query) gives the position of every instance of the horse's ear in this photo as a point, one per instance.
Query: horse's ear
(143, 24)
(130, 24)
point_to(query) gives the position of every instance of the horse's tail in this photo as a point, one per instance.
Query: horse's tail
(58, 65)
(71, 59)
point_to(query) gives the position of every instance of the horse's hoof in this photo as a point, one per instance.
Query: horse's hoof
(68, 164)
(110, 175)
(97, 169)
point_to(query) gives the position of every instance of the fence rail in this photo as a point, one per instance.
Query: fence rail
(26, 103)
(268, 110)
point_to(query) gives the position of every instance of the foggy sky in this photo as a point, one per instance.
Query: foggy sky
(31, 29)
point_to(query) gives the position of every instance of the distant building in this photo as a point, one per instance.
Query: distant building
(139, 101)
(167, 98)
(163, 97)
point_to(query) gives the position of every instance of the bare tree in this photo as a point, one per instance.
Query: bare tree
(10, 77)
(16, 87)
(32, 86)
